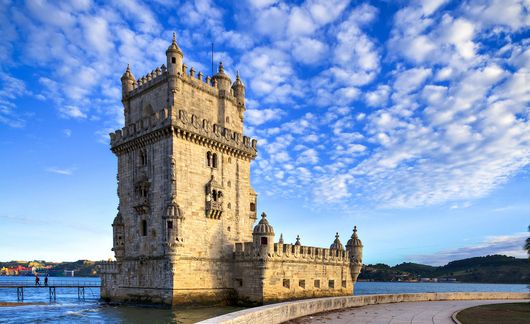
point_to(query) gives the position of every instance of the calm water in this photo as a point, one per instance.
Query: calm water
(69, 309)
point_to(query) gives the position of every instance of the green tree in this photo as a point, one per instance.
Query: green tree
(527, 245)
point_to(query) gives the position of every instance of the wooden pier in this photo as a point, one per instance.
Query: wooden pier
(51, 286)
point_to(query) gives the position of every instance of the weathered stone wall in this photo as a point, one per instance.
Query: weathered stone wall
(281, 312)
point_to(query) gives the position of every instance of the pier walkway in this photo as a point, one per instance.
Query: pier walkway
(51, 286)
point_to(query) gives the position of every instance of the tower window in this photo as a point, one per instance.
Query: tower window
(173, 60)
(286, 283)
(263, 241)
(227, 119)
(301, 283)
(144, 227)
(343, 283)
(331, 284)
(143, 157)
(209, 158)
(252, 207)
(317, 284)
(214, 160)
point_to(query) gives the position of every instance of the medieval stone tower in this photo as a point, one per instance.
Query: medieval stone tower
(184, 228)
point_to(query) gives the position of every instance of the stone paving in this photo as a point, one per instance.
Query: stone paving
(438, 312)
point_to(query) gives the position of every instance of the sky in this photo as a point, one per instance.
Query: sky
(407, 119)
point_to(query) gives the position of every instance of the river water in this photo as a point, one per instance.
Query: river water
(68, 308)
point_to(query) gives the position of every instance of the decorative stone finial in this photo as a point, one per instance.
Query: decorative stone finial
(281, 238)
(337, 245)
(174, 39)
(297, 240)
(354, 231)
(221, 68)
(263, 215)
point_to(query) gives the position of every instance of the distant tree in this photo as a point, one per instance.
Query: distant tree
(527, 245)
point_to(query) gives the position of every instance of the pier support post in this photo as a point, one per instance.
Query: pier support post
(81, 292)
(53, 294)
(20, 293)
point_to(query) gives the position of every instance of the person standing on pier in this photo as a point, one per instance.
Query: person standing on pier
(37, 280)
(46, 280)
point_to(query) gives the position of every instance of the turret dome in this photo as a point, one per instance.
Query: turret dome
(238, 82)
(173, 47)
(127, 75)
(263, 227)
(354, 241)
(337, 245)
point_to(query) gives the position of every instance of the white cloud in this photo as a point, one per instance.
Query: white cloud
(261, 116)
(61, 171)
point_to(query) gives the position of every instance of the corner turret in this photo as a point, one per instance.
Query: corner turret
(263, 235)
(127, 82)
(355, 248)
(239, 90)
(118, 229)
(174, 57)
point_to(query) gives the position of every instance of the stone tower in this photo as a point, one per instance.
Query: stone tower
(183, 184)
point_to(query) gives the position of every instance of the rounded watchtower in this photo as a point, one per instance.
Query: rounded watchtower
(355, 248)
(127, 82)
(263, 235)
(118, 229)
(239, 90)
(174, 57)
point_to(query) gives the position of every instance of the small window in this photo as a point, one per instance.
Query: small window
(143, 158)
(227, 119)
(169, 224)
(173, 60)
(229, 206)
(229, 160)
(264, 241)
(144, 227)
(214, 160)
(119, 237)
(301, 283)
(229, 184)
(343, 283)
(286, 283)
(239, 282)
(331, 284)
(317, 283)
(252, 207)
(209, 159)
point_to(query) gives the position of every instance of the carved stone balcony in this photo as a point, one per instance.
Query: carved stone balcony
(214, 209)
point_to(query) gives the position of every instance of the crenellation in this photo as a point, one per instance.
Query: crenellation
(184, 228)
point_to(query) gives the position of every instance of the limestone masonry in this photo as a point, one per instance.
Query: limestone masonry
(184, 229)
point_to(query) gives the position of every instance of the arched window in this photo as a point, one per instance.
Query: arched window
(214, 195)
(227, 119)
(252, 206)
(209, 159)
(143, 157)
(214, 160)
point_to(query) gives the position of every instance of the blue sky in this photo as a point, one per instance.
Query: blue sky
(408, 119)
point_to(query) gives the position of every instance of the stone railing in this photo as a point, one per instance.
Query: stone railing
(156, 120)
(281, 312)
(108, 267)
(196, 125)
(292, 251)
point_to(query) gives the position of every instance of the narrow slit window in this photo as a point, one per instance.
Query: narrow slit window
(144, 227)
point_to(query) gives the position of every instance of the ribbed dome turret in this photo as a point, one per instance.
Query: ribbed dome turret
(354, 241)
(238, 82)
(221, 73)
(263, 226)
(173, 47)
(127, 75)
(337, 245)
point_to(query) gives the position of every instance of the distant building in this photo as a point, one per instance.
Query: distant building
(184, 229)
